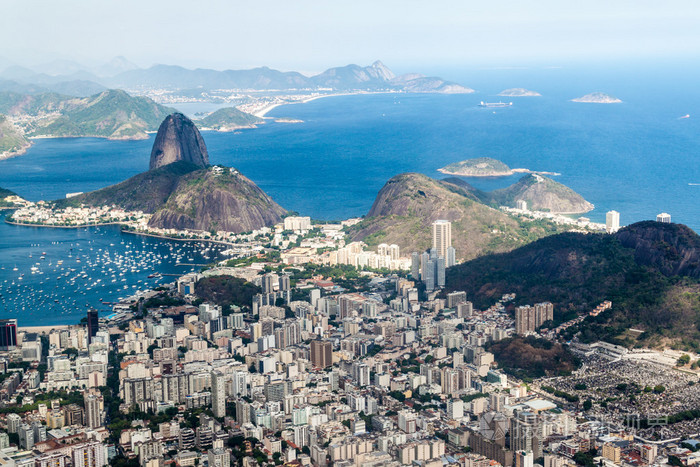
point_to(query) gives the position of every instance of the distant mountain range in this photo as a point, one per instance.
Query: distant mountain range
(120, 73)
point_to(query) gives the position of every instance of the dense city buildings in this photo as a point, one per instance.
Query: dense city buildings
(267, 359)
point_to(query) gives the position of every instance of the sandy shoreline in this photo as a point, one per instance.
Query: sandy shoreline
(261, 113)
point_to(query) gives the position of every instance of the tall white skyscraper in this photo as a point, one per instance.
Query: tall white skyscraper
(442, 237)
(218, 394)
(612, 221)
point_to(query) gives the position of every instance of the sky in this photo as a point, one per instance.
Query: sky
(311, 35)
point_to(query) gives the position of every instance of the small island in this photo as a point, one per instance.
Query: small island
(519, 92)
(597, 98)
(478, 167)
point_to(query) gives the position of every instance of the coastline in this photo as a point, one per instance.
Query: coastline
(261, 113)
(21, 224)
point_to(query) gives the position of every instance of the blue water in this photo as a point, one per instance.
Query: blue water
(637, 157)
(77, 269)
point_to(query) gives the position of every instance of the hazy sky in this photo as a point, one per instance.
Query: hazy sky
(311, 35)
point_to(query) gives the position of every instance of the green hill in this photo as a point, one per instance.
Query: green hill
(408, 203)
(542, 194)
(649, 270)
(109, 114)
(12, 142)
(227, 119)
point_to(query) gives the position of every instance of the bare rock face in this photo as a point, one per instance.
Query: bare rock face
(178, 139)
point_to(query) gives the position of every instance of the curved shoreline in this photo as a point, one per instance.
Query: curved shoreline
(82, 226)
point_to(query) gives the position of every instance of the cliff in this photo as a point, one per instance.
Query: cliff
(408, 203)
(178, 139)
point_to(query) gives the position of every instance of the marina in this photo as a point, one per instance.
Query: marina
(54, 275)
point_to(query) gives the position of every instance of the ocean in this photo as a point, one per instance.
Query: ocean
(638, 157)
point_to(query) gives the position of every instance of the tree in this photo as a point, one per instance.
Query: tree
(658, 389)
(683, 360)
(587, 404)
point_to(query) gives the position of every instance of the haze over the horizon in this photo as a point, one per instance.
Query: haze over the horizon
(311, 35)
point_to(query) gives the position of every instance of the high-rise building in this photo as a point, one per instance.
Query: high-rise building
(94, 410)
(451, 258)
(415, 265)
(218, 394)
(663, 217)
(524, 459)
(90, 454)
(612, 221)
(440, 272)
(92, 325)
(529, 318)
(521, 204)
(455, 298)
(8, 334)
(26, 436)
(442, 237)
(526, 434)
(321, 353)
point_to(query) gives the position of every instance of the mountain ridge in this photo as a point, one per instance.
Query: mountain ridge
(649, 270)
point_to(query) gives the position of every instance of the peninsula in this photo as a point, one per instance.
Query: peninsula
(597, 98)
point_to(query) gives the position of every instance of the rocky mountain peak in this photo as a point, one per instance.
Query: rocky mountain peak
(379, 70)
(178, 139)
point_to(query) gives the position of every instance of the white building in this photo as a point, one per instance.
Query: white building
(612, 221)
(442, 237)
(663, 217)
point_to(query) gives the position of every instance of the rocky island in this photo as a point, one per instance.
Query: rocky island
(478, 167)
(229, 119)
(518, 92)
(597, 98)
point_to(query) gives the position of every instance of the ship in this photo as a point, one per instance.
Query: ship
(495, 104)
